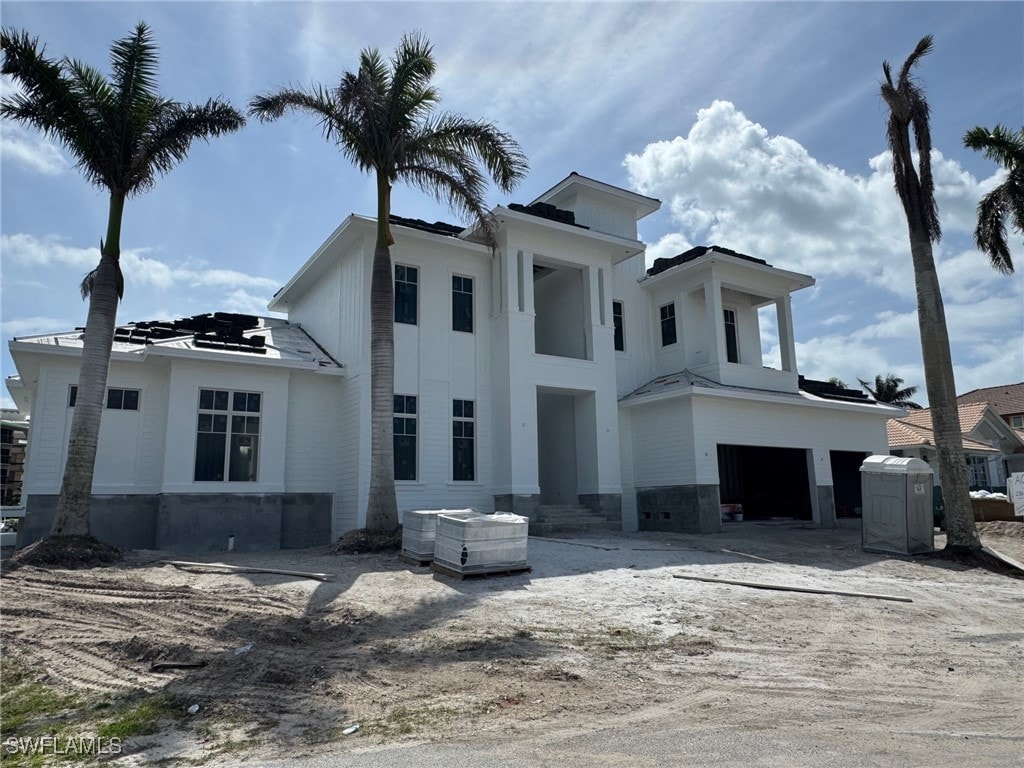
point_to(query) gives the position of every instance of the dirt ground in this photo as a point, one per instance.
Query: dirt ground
(597, 629)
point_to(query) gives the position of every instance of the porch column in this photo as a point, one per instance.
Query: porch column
(787, 342)
(716, 335)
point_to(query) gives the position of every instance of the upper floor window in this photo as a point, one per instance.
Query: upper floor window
(620, 337)
(668, 324)
(406, 293)
(1017, 422)
(732, 349)
(228, 435)
(117, 399)
(405, 437)
(463, 438)
(462, 304)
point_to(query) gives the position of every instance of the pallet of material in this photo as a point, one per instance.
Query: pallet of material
(468, 543)
(490, 571)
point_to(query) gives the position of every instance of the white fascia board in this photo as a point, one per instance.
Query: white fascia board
(643, 205)
(778, 282)
(619, 248)
(800, 400)
(351, 228)
(69, 351)
(242, 358)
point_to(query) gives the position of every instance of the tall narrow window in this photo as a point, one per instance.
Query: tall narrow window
(72, 395)
(405, 437)
(406, 294)
(228, 436)
(668, 325)
(732, 349)
(463, 440)
(462, 304)
(620, 337)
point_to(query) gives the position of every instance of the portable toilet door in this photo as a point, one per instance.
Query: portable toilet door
(897, 505)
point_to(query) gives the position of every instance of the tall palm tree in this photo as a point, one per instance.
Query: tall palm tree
(123, 134)
(908, 109)
(891, 390)
(382, 119)
(1005, 147)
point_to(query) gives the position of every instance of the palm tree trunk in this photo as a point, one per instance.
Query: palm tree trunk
(72, 515)
(382, 505)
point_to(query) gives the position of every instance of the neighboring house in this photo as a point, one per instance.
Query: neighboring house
(552, 376)
(993, 449)
(1006, 400)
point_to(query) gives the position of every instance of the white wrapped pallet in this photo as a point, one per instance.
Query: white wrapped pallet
(419, 528)
(468, 542)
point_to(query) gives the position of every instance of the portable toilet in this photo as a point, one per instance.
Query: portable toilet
(897, 505)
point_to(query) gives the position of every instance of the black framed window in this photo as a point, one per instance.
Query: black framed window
(668, 325)
(406, 294)
(463, 440)
(405, 437)
(732, 347)
(462, 304)
(620, 337)
(228, 436)
(123, 399)
(72, 395)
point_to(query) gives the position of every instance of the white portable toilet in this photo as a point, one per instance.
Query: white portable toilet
(897, 505)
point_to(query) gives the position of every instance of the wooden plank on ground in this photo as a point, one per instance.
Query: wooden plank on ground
(786, 588)
(184, 564)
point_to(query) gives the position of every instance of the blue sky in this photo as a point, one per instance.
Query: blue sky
(758, 125)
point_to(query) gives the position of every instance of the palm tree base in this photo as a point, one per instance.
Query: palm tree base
(67, 552)
(970, 557)
(364, 541)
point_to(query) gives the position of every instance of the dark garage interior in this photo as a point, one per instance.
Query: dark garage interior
(768, 482)
(846, 481)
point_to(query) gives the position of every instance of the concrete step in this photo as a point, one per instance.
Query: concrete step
(594, 525)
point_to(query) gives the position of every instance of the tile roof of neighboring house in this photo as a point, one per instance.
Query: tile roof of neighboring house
(904, 434)
(227, 333)
(970, 415)
(437, 228)
(1005, 399)
(660, 265)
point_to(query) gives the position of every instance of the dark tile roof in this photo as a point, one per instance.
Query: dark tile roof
(219, 330)
(829, 391)
(547, 211)
(437, 228)
(1005, 399)
(660, 265)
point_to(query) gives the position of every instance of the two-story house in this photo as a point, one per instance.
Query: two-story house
(552, 375)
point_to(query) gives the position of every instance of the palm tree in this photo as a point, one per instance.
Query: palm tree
(908, 109)
(1005, 147)
(123, 134)
(890, 390)
(382, 119)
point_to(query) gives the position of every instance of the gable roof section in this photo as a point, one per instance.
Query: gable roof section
(1005, 400)
(915, 429)
(641, 204)
(221, 336)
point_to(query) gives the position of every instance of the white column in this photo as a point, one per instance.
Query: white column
(716, 337)
(787, 342)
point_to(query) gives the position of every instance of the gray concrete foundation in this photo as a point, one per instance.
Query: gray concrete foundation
(194, 522)
(679, 509)
(826, 506)
(519, 504)
(608, 505)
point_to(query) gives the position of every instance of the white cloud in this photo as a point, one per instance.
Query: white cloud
(245, 303)
(139, 269)
(25, 146)
(29, 326)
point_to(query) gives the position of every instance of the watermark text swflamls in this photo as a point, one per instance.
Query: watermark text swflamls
(62, 745)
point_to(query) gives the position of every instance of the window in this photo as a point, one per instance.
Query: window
(977, 472)
(463, 436)
(1017, 422)
(117, 399)
(405, 437)
(668, 325)
(462, 304)
(732, 349)
(620, 338)
(406, 288)
(228, 435)
(123, 399)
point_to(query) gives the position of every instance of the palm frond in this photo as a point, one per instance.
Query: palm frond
(990, 234)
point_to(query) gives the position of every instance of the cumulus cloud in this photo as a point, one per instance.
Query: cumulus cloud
(29, 326)
(730, 182)
(26, 147)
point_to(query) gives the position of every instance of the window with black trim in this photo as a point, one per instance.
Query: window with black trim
(463, 440)
(405, 437)
(732, 347)
(228, 436)
(668, 324)
(406, 293)
(617, 321)
(462, 304)
(117, 399)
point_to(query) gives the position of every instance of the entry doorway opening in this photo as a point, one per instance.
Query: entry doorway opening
(768, 482)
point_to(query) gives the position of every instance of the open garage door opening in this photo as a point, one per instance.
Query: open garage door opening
(846, 481)
(768, 482)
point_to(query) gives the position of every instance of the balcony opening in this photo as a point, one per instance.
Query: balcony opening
(560, 308)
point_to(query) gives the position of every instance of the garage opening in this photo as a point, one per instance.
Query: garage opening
(846, 481)
(768, 482)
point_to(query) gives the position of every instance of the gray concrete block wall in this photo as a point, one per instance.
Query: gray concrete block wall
(679, 509)
(519, 504)
(608, 505)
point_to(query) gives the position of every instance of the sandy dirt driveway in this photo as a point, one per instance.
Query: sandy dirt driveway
(598, 632)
